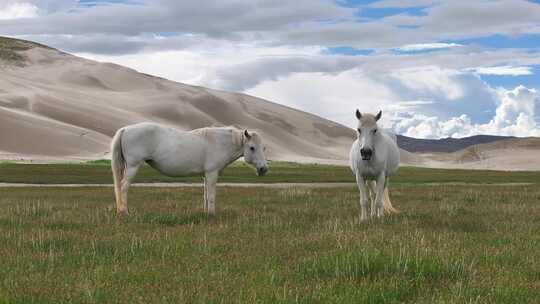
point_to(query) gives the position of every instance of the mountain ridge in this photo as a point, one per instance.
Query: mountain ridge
(446, 145)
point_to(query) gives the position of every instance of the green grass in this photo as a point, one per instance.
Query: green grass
(98, 172)
(451, 244)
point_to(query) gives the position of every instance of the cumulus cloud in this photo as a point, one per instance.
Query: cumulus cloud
(14, 10)
(305, 22)
(516, 115)
(210, 17)
(462, 19)
(424, 102)
(350, 90)
(248, 66)
(442, 21)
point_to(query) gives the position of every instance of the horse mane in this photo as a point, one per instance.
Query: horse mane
(237, 137)
(237, 134)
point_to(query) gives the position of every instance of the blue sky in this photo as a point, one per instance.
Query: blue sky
(488, 41)
(436, 68)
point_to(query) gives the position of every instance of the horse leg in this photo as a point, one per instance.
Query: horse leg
(131, 171)
(210, 191)
(205, 194)
(371, 186)
(379, 188)
(363, 196)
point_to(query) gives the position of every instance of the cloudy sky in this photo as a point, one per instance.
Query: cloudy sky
(436, 68)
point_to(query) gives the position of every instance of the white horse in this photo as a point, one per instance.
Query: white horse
(374, 157)
(178, 153)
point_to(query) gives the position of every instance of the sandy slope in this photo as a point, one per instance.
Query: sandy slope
(61, 106)
(508, 154)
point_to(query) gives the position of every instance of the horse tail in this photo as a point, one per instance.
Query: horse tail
(118, 164)
(387, 204)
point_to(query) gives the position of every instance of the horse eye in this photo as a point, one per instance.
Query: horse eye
(359, 131)
(252, 148)
(374, 131)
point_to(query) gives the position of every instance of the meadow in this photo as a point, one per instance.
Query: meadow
(451, 244)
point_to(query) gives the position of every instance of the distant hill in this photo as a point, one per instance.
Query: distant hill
(507, 154)
(447, 145)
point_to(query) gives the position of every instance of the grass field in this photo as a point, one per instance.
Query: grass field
(100, 173)
(451, 244)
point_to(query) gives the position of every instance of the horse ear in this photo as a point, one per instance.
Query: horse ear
(358, 114)
(378, 116)
(246, 134)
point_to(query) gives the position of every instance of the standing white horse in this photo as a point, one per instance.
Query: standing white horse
(178, 153)
(374, 157)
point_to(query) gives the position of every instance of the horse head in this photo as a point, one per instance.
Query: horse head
(254, 152)
(367, 133)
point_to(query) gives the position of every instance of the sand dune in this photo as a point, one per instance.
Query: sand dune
(507, 154)
(56, 105)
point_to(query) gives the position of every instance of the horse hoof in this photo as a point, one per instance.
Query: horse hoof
(122, 214)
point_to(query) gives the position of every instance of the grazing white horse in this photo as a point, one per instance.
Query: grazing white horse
(374, 157)
(179, 153)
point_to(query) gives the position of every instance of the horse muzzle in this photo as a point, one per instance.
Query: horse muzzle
(366, 153)
(261, 171)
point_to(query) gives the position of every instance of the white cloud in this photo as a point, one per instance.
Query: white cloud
(426, 46)
(215, 63)
(15, 10)
(182, 66)
(280, 22)
(515, 116)
(431, 79)
(456, 103)
(502, 70)
(334, 96)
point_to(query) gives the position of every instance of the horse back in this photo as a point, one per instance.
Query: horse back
(171, 151)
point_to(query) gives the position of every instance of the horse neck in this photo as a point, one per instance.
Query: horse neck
(238, 141)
